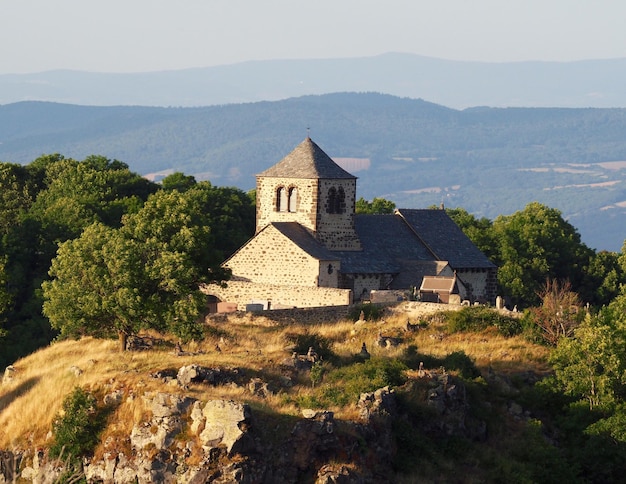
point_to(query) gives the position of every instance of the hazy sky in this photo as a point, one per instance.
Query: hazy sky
(149, 35)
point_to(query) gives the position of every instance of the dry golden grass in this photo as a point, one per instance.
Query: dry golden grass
(29, 403)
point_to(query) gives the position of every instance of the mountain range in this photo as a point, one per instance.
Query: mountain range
(490, 161)
(456, 84)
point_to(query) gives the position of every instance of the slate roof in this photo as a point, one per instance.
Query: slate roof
(409, 245)
(445, 238)
(309, 161)
(303, 239)
(386, 240)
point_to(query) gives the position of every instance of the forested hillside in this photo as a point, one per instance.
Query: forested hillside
(488, 161)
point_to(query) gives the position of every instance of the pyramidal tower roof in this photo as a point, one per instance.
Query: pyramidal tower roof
(307, 160)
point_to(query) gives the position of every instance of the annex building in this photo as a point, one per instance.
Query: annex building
(310, 249)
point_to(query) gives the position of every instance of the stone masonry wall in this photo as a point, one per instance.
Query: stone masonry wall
(482, 285)
(336, 230)
(243, 293)
(271, 257)
(266, 204)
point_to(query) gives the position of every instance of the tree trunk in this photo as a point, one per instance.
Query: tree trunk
(122, 337)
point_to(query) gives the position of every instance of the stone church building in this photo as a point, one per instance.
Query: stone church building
(311, 249)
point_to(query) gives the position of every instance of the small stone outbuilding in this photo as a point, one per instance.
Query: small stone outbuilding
(311, 248)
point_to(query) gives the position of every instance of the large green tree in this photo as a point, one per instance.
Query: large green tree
(77, 194)
(45, 203)
(604, 276)
(149, 272)
(534, 245)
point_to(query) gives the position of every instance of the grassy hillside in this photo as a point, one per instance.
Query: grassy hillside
(256, 346)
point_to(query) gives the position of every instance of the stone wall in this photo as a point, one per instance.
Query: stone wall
(279, 296)
(271, 257)
(483, 284)
(336, 230)
(267, 206)
(316, 315)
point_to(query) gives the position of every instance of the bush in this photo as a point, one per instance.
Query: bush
(306, 340)
(75, 431)
(478, 318)
(462, 363)
(371, 312)
(346, 384)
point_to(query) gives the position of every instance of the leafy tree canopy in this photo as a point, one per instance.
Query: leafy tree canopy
(592, 364)
(147, 273)
(535, 244)
(178, 181)
(376, 206)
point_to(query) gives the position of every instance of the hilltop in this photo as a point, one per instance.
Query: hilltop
(425, 403)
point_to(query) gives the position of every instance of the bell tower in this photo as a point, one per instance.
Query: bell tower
(309, 188)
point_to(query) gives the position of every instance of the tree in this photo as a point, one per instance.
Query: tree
(376, 206)
(592, 364)
(178, 181)
(603, 277)
(560, 311)
(96, 286)
(146, 274)
(533, 245)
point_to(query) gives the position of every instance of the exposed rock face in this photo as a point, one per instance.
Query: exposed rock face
(166, 422)
(447, 396)
(312, 440)
(213, 376)
(183, 439)
(380, 404)
(222, 428)
(223, 423)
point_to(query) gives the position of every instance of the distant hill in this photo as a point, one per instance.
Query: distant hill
(592, 83)
(489, 161)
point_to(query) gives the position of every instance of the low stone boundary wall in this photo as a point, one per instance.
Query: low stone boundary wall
(279, 297)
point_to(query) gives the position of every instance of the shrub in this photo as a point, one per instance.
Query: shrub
(478, 318)
(317, 373)
(304, 341)
(462, 363)
(371, 312)
(346, 384)
(75, 431)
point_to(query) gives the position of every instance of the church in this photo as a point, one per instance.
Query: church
(311, 249)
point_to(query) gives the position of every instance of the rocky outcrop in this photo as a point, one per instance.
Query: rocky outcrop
(447, 397)
(223, 423)
(218, 428)
(211, 376)
(228, 449)
(184, 439)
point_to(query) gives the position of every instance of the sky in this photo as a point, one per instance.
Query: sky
(155, 35)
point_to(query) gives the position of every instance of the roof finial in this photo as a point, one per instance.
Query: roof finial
(308, 133)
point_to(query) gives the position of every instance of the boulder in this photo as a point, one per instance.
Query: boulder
(378, 404)
(223, 423)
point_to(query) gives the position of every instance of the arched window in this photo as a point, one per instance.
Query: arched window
(281, 200)
(341, 201)
(331, 202)
(336, 202)
(293, 199)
